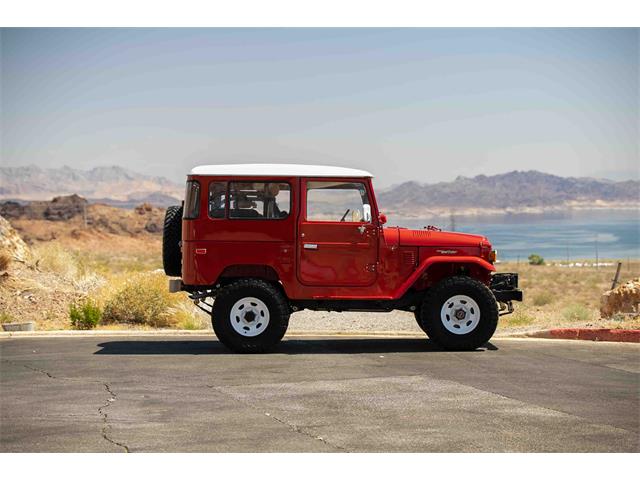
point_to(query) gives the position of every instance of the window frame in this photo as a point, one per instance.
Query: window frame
(197, 203)
(226, 199)
(227, 203)
(336, 180)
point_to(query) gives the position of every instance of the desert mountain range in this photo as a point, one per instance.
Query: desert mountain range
(509, 192)
(112, 185)
(517, 191)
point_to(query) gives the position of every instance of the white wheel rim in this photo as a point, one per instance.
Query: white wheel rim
(249, 316)
(460, 314)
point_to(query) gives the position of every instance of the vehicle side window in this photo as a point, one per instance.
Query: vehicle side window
(191, 200)
(217, 199)
(259, 200)
(337, 202)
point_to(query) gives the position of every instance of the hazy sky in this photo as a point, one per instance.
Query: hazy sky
(421, 104)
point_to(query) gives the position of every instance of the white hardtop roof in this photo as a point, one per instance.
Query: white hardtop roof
(278, 170)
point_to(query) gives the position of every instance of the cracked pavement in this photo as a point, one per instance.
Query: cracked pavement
(163, 394)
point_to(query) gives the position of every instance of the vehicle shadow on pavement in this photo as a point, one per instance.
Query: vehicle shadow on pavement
(287, 347)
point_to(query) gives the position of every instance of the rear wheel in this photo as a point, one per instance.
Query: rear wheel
(250, 316)
(459, 313)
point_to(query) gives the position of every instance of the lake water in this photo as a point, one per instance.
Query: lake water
(558, 236)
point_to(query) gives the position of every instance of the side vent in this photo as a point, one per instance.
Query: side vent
(408, 259)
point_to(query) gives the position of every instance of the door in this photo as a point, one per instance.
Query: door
(337, 238)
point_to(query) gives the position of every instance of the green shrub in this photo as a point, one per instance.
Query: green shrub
(535, 259)
(517, 319)
(85, 315)
(576, 313)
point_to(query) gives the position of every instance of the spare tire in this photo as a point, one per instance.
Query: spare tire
(171, 238)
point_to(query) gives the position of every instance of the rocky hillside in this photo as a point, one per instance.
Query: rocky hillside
(11, 243)
(105, 183)
(510, 191)
(72, 216)
(29, 289)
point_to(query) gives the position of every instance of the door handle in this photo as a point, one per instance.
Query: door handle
(310, 246)
(361, 229)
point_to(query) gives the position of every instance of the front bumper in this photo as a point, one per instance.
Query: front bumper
(505, 287)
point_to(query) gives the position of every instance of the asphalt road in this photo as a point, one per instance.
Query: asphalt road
(329, 395)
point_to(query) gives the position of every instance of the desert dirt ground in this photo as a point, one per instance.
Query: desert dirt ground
(95, 265)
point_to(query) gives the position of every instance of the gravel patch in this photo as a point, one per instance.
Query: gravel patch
(396, 321)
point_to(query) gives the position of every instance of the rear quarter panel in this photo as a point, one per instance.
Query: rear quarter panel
(210, 245)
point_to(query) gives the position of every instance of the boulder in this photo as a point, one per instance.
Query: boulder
(64, 208)
(625, 299)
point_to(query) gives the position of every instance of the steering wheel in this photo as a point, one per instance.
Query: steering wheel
(345, 215)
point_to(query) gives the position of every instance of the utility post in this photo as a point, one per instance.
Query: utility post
(616, 276)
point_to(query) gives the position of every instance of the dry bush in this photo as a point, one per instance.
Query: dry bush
(542, 298)
(144, 299)
(53, 257)
(188, 317)
(88, 282)
(5, 261)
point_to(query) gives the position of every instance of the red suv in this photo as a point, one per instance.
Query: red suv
(263, 241)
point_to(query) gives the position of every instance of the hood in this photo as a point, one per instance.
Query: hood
(433, 238)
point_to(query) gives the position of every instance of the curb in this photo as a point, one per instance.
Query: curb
(104, 333)
(592, 334)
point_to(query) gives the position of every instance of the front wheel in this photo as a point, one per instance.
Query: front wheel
(459, 313)
(250, 316)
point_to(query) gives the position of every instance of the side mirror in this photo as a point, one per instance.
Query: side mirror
(383, 219)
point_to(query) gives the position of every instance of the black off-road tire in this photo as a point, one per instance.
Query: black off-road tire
(273, 299)
(430, 313)
(171, 237)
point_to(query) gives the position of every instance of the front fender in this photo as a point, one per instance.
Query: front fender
(440, 259)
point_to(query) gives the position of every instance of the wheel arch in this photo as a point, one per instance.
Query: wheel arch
(432, 270)
(257, 271)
